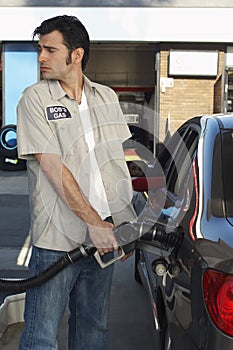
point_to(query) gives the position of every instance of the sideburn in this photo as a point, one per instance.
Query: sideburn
(68, 59)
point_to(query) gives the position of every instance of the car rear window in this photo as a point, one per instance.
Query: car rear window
(227, 170)
(222, 175)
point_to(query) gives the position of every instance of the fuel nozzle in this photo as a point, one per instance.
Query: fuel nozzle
(158, 232)
(129, 234)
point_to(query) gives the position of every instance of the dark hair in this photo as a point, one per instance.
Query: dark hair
(73, 31)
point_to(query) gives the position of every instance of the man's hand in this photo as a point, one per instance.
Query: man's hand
(103, 237)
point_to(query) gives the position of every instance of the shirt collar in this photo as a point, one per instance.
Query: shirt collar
(57, 92)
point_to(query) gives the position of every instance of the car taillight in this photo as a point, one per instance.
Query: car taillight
(218, 294)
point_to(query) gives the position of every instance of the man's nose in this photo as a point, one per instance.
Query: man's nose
(42, 56)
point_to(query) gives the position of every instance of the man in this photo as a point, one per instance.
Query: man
(71, 131)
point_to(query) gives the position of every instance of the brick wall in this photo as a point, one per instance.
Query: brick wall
(190, 96)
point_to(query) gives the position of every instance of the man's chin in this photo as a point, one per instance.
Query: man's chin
(46, 75)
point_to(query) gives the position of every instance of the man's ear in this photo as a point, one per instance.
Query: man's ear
(77, 55)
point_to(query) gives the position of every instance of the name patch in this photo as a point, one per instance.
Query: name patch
(57, 112)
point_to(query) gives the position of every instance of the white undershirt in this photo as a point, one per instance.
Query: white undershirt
(97, 194)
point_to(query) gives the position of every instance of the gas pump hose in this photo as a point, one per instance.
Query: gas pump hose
(125, 233)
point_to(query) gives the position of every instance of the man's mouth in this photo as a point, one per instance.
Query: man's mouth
(44, 68)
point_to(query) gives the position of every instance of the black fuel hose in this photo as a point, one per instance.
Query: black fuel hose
(127, 232)
(21, 286)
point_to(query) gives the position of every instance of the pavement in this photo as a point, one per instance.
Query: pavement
(131, 324)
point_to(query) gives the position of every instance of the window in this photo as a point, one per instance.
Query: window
(222, 175)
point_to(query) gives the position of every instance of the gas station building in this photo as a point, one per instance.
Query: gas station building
(166, 63)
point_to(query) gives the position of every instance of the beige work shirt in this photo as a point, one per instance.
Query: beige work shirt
(49, 122)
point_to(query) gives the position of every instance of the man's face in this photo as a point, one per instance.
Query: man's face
(53, 56)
